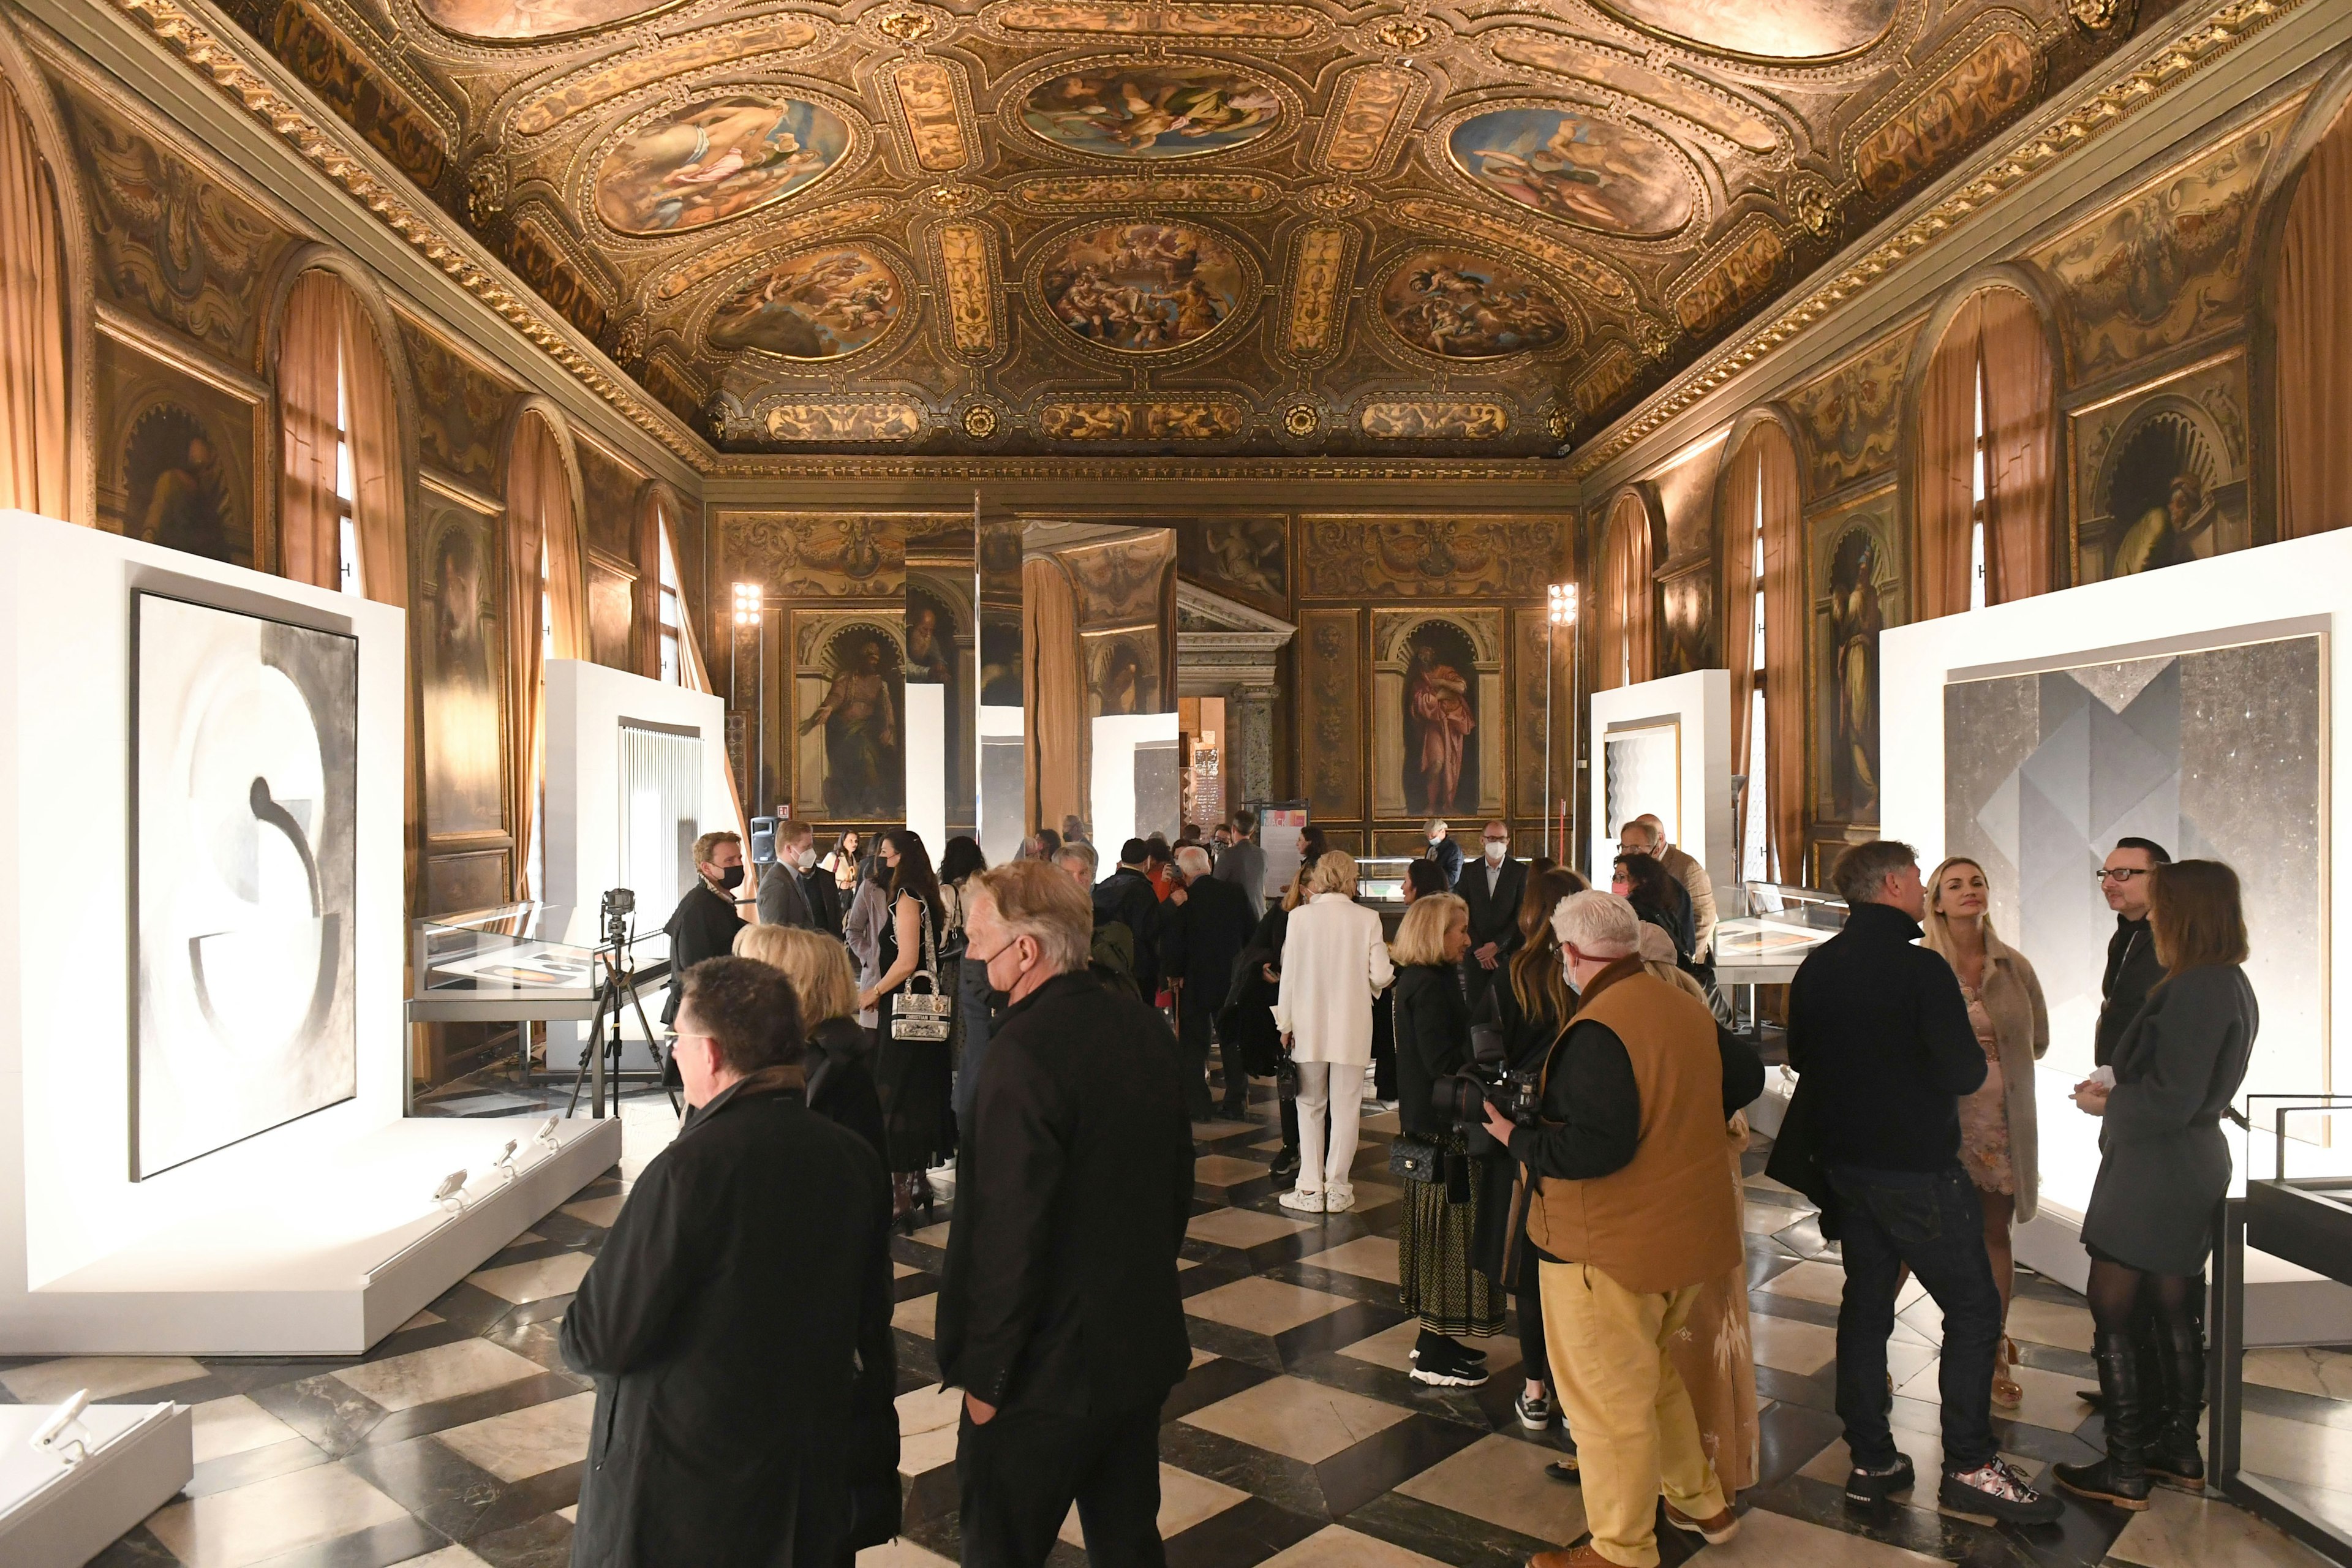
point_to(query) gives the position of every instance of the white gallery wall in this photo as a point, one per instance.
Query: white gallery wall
(2295, 589)
(1692, 774)
(587, 704)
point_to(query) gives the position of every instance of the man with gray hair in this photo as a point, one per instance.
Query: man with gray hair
(1203, 927)
(1630, 1217)
(1059, 1313)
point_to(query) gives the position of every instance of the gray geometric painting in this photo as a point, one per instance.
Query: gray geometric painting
(2214, 754)
(244, 862)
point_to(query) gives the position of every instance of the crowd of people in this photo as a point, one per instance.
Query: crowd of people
(1570, 1125)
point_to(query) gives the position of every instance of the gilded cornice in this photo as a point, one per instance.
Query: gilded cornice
(1522, 471)
(321, 143)
(2197, 46)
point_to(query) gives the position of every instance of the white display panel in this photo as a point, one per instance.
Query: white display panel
(927, 763)
(1674, 760)
(1118, 741)
(587, 705)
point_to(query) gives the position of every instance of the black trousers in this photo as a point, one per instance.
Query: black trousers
(1193, 1032)
(1019, 1474)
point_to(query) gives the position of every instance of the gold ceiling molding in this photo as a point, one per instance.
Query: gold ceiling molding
(1114, 471)
(858, 212)
(1374, 105)
(2197, 46)
(1622, 73)
(1122, 193)
(590, 87)
(1322, 262)
(1576, 264)
(222, 64)
(967, 253)
(1143, 419)
(931, 99)
(1293, 24)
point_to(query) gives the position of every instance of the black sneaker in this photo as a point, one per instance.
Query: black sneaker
(1447, 1368)
(1534, 1412)
(1285, 1166)
(1992, 1493)
(1868, 1486)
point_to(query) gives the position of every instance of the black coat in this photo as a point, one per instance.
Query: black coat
(1127, 896)
(737, 1326)
(1200, 939)
(841, 1081)
(1247, 1017)
(2132, 973)
(1072, 1196)
(1448, 855)
(1432, 1041)
(1493, 917)
(702, 926)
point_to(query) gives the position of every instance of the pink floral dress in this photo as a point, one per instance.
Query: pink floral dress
(1984, 1115)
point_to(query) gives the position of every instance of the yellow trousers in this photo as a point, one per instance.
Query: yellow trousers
(1626, 1407)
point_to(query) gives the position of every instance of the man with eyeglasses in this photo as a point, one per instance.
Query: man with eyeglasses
(2133, 971)
(1491, 888)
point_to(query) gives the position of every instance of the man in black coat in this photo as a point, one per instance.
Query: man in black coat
(705, 923)
(738, 1320)
(1880, 1033)
(1059, 1315)
(791, 892)
(1444, 851)
(1128, 897)
(1493, 889)
(2128, 878)
(1203, 927)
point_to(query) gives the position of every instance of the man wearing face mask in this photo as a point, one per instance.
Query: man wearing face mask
(1491, 888)
(1059, 1315)
(784, 898)
(705, 923)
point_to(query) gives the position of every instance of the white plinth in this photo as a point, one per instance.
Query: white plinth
(327, 1261)
(53, 1515)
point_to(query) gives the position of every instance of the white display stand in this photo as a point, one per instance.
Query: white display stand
(927, 763)
(1700, 705)
(2198, 604)
(1117, 738)
(315, 1237)
(56, 1515)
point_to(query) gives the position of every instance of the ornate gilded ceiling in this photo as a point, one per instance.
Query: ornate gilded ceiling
(1194, 225)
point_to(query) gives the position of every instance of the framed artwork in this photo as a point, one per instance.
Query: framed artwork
(1857, 591)
(2160, 472)
(1641, 771)
(244, 860)
(182, 447)
(1437, 712)
(461, 671)
(849, 700)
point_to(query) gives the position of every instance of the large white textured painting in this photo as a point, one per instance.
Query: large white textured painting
(2215, 754)
(242, 877)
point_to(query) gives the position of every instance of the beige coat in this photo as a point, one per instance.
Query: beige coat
(2021, 1029)
(1693, 876)
(1334, 962)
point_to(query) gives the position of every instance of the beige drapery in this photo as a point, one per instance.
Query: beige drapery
(327, 330)
(539, 509)
(1053, 690)
(1785, 615)
(1623, 629)
(36, 458)
(2314, 342)
(645, 597)
(1999, 329)
(1765, 466)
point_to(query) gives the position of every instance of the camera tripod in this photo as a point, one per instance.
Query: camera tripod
(616, 989)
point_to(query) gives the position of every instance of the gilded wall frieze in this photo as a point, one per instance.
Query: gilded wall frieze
(548, 108)
(1113, 193)
(931, 99)
(1373, 108)
(1142, 419)
(1964, 103)
(1745, 126)
(1432, 419)
(1346, 556)
(1850, 415)
(1323, 259)
(817, 419)
(1293, 24)
(967, 261)
(1740, 272)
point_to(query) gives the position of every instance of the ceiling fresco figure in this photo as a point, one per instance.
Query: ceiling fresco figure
(1151, 109)
(1578, 169)
(716, 160)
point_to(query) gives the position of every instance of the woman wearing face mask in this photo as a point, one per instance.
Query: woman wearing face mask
(913, 1075)
(1998, 1135)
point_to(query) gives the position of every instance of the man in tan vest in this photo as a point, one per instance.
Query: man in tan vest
(1630, 1217)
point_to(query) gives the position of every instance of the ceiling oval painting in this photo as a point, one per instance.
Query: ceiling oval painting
(717, 158)
(1575, 167)
(1793, 30)
(822, 305)
(1459, 305)
(517, 21)
(1142, 288)
(1152, 109)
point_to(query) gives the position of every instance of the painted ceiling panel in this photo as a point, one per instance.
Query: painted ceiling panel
(1226, 227)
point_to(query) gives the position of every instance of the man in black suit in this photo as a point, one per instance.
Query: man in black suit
(1127, 896)
(1203, 927)
(783, 896)
(705, 923)
(1059, 1313)
(738, 1320)
(1491, 888)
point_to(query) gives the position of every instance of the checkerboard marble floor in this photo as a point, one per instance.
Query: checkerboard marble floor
(1297, 1440)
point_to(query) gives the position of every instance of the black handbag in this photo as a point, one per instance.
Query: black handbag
(1286, 1076)
(1417, 1158)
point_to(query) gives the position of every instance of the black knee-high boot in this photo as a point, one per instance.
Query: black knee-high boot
(2172, 1455)
(2121, 1477)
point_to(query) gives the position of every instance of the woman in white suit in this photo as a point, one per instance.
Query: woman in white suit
(1334, 962)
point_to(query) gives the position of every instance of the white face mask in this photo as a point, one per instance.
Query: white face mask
(1496, 850)
(806, 858)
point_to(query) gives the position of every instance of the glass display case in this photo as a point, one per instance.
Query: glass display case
(1782, 925)
(520, 961)
(1380, 879)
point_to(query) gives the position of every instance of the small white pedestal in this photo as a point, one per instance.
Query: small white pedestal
(53, 1515)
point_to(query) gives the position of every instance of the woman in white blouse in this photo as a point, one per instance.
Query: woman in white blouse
(1334, 962)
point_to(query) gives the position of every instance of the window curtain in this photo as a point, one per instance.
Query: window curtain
(1785, 616)
(1053, 690)
(1608, 618)
(309, 528)
(1737, 528)
(567, 567)
(526, 533)
(1624, 629)
(1944, 488)
(36, 458)
(2314, 342)
(379, 470)
(2020, 490)
(644, 598)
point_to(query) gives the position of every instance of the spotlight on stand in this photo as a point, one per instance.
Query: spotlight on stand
(50, 1435)
(451, 1189)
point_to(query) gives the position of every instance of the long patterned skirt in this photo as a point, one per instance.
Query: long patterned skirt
(1435, 1280)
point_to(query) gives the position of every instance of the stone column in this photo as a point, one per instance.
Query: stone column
(1249, 726)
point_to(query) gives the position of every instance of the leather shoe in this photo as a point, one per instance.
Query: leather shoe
(1584, 1556)
(1716, 1530)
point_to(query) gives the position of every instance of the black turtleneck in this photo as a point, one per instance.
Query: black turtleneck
(2132, 974)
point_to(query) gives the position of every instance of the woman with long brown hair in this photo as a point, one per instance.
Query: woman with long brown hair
(915, 1076)
(2163, 1166)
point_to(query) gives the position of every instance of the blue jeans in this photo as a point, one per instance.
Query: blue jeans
(1932, 1221)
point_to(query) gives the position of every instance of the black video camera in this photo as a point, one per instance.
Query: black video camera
(1465, 1095)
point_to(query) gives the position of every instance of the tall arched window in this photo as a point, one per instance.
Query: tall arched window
(1623, 629)
(2314, 342)
(1764, 616)
(343, 497)
(36, 456)
(1984, 499)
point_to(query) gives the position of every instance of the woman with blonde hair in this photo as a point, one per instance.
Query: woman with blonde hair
(1999, 1135)
(840, 1083)
(1435, 1231)
(1334, 962)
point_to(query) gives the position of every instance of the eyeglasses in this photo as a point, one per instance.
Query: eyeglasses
(2118, 873)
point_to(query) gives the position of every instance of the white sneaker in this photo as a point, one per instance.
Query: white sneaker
(1304, 1202)
(1339, 1200)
